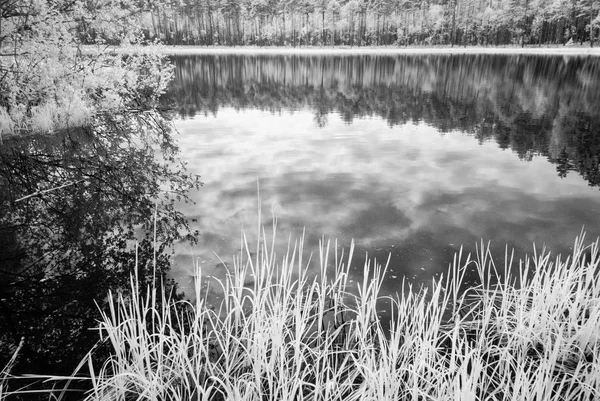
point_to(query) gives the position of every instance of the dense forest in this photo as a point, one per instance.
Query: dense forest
(373, 22)
(328, 22)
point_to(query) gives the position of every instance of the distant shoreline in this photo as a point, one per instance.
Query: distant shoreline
(344, 50)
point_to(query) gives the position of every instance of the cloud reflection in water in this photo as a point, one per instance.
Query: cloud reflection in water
(408, 189)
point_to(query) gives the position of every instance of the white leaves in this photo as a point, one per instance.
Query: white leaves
(47, 83)
(7, 124)
(43, 117)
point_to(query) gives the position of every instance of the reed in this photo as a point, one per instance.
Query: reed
(5, 372)
(290, 336)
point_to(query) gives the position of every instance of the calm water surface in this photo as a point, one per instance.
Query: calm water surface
(409, 155)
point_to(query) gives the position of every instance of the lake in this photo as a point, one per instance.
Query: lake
(409, 155)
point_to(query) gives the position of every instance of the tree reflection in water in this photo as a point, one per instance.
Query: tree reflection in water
(534, 105)
(73, 206)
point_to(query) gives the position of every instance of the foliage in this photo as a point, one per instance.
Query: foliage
(374, 22)
(49, 81)
(89, 175)
(280, 334)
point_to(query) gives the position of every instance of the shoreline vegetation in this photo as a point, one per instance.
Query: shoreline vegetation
(85, 158)
(281, 335)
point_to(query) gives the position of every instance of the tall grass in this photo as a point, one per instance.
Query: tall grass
(289, 335)
(5, 372)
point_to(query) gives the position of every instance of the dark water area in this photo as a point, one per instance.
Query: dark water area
(72, 207)
(408, 155)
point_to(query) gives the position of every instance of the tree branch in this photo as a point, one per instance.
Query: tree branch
(49, 190)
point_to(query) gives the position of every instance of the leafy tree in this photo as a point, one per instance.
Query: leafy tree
(590, 12)
(86, 162)
(49, 82)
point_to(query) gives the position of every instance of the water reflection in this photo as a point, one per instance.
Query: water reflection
(71, 206)
(534, 105)
(409, 190)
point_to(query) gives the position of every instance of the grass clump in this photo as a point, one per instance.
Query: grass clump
(281, 333)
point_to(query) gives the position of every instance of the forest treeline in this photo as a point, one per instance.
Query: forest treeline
(373, 22)
(536, 106)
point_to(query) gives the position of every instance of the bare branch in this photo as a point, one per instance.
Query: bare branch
(49, 190)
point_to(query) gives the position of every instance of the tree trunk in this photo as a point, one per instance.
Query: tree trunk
(293, 31)
(243, 42)
(524, 24)
(573, 21)
(453, 33)
(378, 34)
(323, 27)
(591, 24)
(308, 32)
(151, 14)
(167, 28)
(351, 27)
(218, 33)
(283, 35)
(229, 35)
(333, 29)
(240, 29)
(210, 27)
